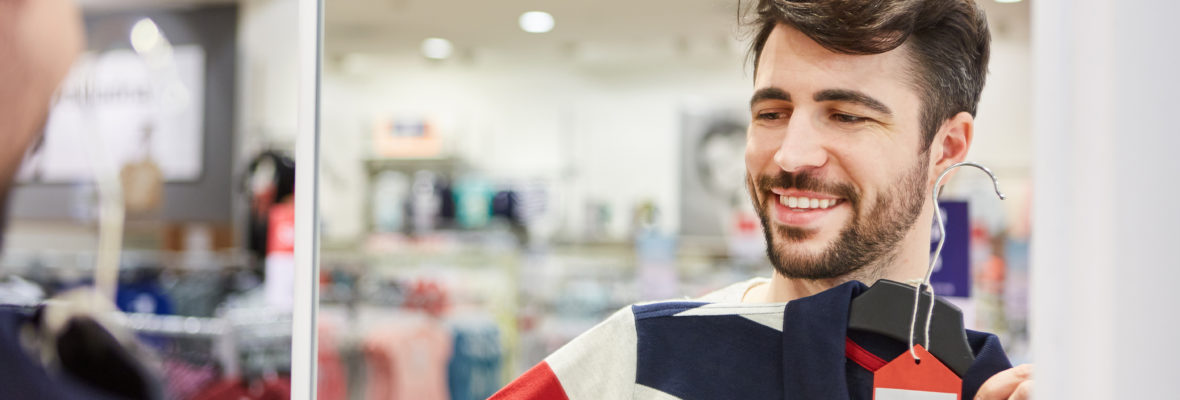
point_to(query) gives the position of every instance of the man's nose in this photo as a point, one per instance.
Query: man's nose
(801, 148)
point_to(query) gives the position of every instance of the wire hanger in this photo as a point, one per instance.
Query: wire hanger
(888, 305)
(938, 250)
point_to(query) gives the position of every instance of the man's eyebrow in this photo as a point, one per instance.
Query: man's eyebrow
(770, 93)
(852, 96)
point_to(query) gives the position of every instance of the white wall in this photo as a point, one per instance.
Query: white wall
(267, 74)
(602, 132)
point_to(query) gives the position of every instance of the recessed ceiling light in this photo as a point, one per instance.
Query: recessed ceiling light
(145, 35)
(436, 48)
(536, 22)
(1008, 1)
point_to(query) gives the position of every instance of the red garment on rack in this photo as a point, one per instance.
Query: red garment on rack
(231, 389)
(234, 389)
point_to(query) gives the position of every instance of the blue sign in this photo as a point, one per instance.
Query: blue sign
(952, 272)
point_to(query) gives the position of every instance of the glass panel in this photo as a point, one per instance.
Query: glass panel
(160, 175)
(497, 178)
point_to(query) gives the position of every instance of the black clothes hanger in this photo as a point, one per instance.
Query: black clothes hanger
(890, 308)
(89, 353)
(885, 309)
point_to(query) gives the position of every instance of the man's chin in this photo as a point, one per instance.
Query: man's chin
(795, 235)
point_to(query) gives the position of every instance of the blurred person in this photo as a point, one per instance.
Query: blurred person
(38, 42)
(857, 107)
(53, 352)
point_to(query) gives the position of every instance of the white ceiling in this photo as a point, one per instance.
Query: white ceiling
(396, 25)
(483, 26)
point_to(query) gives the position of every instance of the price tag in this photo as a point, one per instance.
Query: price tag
(907, 379)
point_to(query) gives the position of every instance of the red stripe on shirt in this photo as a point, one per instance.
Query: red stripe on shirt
(539, 383)
(861, 356)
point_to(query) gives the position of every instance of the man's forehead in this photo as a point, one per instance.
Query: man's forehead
(793, 62)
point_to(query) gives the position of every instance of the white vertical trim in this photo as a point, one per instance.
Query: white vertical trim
(1104, 266)
(1073, 218)
(303, 335)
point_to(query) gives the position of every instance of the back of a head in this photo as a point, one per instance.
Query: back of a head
(39, 40)
(948, 41)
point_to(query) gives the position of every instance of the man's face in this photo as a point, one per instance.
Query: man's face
(832, 156)
(38, 42)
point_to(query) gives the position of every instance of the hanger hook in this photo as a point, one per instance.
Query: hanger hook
(934, 192)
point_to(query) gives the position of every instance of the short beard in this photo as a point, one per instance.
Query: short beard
(869, 242)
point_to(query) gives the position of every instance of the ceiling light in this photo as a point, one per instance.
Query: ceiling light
(536, 22)
(145, 36)
(436, 48)
(1007, 1)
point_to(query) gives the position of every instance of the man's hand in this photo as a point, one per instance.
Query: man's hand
(1014, 384)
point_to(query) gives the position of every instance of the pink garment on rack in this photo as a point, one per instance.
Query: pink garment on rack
(408, 360)
(333, 377)
(184, 381)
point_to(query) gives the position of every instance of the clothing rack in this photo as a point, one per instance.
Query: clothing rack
(217, 329)
(235, 331)
(21, 261)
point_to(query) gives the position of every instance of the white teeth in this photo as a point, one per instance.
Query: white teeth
(804, 203)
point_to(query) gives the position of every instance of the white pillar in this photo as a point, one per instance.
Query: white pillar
(1106, 163)
(307, 160)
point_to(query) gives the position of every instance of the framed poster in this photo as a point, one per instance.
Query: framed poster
(139, 108)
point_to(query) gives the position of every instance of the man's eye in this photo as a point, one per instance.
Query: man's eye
(848, 119)
(772, 116)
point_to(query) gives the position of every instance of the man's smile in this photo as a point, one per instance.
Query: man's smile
(804, 209)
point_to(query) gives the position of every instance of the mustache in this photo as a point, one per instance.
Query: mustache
(807, 181)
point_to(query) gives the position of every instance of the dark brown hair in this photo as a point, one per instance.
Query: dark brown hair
(948, 41)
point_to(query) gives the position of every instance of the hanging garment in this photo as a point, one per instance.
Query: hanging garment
(332, 383)
(183, 380)
(729, 350)
(474, 369)
(273, 388)
(408, 361)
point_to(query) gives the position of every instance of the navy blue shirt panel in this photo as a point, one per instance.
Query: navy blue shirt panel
(707, 357)
(21, 377)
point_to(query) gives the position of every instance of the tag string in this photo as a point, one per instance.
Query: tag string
(937, 251)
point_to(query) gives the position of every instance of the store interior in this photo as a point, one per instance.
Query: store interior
(493, 182)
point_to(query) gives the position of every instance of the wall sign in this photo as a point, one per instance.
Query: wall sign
(952, 272)
(140, 108)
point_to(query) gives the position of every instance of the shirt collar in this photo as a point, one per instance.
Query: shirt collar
(814, 331)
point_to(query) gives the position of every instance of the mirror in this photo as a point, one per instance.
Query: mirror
(497, 178)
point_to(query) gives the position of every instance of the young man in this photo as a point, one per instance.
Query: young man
(857, 107)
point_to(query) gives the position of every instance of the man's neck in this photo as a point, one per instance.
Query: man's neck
(782, 289)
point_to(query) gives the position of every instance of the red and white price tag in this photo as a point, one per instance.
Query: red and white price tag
(907, 379)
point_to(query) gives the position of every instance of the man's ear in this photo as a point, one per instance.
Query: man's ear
(951, 144)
